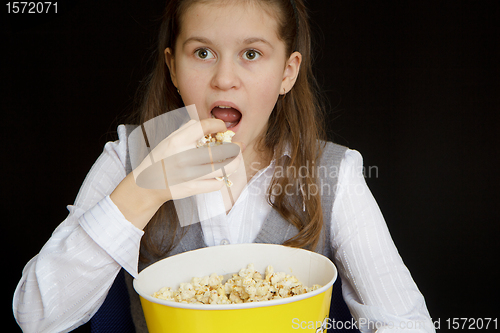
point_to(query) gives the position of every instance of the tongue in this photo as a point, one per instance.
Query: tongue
(229, 116)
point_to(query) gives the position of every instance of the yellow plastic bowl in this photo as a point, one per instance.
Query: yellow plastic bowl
(304, 313)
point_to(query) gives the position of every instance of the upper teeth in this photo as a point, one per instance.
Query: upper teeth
(224, 107)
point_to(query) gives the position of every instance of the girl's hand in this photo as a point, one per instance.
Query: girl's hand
(182, 170)
(176, 169)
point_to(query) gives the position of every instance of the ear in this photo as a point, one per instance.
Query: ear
(291, 72)
(170, 61)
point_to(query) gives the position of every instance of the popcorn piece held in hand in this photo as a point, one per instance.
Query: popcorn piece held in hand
(220, 138)
(226, 136)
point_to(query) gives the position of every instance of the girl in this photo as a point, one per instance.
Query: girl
(248, 63)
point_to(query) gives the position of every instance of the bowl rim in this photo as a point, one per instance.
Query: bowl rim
(210, 307)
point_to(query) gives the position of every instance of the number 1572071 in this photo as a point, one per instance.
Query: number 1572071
(31, 7)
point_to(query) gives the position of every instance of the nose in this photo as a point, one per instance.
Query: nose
(225, 76)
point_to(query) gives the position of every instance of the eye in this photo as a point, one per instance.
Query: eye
(251, 55)
(204, 54)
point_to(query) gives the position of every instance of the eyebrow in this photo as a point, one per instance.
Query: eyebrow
(246, 41)
(253, 40)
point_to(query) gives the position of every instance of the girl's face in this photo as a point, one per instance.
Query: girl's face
(231, 56)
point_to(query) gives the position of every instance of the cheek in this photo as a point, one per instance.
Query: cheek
(187, 78)
(191, 83)
(265, 94)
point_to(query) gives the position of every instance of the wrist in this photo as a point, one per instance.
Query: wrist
(137, 204)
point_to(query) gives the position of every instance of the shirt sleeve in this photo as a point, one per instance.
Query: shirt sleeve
(376, 285)
(67, 281)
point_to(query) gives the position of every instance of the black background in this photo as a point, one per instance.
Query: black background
(412, 85)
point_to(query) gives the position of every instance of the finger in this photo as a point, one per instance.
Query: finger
(208, 171)
(205, 171)
(204, 155)
(226, 150)
(211, 125)
(194, 131)
(229, 168)
(186, 125)
(179, 140)
(233, 165)
(185, 175)
(188, 165)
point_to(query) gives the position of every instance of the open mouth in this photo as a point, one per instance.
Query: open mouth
(229, 115)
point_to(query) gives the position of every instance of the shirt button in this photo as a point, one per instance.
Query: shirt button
(224, 242)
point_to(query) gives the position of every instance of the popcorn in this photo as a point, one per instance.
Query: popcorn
(219, 139)
(226, 136)
(246, 286)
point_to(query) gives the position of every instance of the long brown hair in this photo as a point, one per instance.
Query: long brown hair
(296, 122)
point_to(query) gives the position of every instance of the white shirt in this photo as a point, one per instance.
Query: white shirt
(65, 284)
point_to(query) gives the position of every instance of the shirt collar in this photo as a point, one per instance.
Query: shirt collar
(287, 152)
